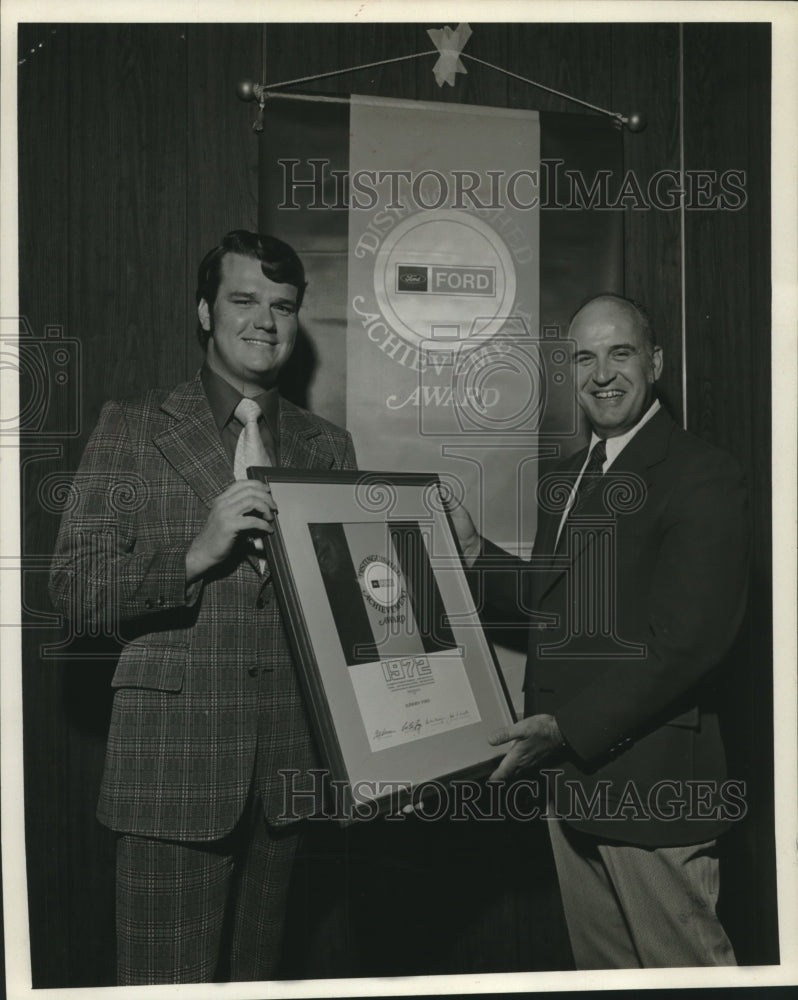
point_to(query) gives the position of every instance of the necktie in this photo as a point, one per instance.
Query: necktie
(591, 477)
(250, 451)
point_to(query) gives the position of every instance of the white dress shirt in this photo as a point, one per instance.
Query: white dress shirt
(615, 446)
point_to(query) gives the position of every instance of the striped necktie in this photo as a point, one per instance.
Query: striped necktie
(591, 477)
(589, 480)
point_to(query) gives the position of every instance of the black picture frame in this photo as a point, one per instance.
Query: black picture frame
(401, 682)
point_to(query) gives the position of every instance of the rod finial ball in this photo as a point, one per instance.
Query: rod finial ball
(246, 90)
(636, 121)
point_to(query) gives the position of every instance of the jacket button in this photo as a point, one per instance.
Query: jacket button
(148, 603)
(252, 671)
(262, 601)
(161, 601)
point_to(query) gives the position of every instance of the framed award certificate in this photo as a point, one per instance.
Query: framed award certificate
(400, 680)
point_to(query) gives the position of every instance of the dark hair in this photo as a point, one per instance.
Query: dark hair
(641, 318)
(278, 262)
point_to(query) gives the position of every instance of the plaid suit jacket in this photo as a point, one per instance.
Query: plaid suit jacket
(185, 719)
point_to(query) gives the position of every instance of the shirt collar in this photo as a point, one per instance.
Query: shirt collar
(615, 445)
(223, 398)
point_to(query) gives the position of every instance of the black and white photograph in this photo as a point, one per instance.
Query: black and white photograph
(539, 258)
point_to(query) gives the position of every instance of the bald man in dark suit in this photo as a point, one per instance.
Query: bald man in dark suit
(635, 597)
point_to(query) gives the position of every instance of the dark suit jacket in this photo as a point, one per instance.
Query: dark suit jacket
(638, 619)
(181, 745)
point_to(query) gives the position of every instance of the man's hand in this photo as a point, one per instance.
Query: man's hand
(467, 535)
(234, 512)
(535, 738)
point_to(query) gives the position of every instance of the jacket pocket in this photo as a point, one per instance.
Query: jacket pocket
(160, 668)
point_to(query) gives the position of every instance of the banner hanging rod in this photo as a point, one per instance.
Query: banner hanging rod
(450, 52)
(306, 97)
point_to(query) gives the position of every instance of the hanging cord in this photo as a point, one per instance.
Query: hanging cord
(682, 235)
(249, 91)
(542, 86)
(350, 69)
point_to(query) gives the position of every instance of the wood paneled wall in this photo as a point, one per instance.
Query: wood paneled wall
(135, 156)
(728, 346)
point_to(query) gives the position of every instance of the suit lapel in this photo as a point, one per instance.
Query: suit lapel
(550, 519)
(546, 543)
(191, 444)
(646, 450)
(302, 443)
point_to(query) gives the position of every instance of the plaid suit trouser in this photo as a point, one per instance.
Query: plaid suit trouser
(177, 903)
(190, 912)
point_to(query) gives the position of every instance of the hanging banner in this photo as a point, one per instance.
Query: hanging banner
(443, 370)
(446, 247)
(492, 211)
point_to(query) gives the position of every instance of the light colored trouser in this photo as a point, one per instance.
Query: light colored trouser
(633, 907)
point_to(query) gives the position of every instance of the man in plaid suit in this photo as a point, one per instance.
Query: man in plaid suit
(161, 540)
